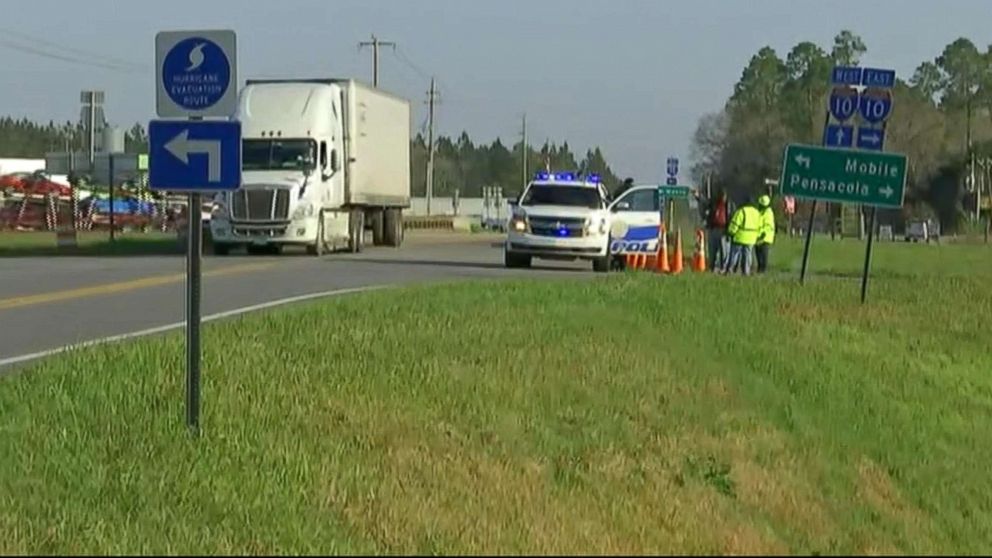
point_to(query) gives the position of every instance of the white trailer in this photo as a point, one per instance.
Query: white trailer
(324, 161)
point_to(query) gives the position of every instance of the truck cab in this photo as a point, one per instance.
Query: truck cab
(322, 162)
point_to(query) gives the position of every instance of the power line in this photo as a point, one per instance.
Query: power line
(71, 49)
(64, 58)
(402, 57)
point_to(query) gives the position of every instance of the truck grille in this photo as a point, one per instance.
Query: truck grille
(260, 205)
(551, 226)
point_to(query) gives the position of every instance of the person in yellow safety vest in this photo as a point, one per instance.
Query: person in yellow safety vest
(766, 237)
(744, 228)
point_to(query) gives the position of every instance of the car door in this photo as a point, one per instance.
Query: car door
(635, 218)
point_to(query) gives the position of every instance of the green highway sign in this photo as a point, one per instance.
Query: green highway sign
(666, 191)
(844, 175)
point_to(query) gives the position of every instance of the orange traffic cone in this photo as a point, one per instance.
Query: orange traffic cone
(677, 256)
(662, 261)
(699, 252)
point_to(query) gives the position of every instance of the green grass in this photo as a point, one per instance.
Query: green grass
(845, 258)
(89, 243)
(633, 414)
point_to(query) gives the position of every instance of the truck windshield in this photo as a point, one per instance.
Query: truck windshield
(278, 154)
(554, 194)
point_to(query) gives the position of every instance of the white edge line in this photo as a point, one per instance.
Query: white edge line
(176, 325)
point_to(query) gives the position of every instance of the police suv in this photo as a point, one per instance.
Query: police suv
(564, 217)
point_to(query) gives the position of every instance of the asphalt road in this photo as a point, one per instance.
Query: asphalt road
(48, 303)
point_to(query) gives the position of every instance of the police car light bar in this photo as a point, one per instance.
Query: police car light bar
(565, 176)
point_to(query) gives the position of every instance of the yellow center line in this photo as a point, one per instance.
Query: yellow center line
(122, 286)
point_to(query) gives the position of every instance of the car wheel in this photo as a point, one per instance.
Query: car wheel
(514, 260)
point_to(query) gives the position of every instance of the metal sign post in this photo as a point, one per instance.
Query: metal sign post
(196, 78)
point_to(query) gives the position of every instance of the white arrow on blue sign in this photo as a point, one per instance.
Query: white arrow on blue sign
(838, 136)
(198, 156)
(196, 73)
(871, 139)
(671, 181)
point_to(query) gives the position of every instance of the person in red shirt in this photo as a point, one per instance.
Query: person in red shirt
(716, 214)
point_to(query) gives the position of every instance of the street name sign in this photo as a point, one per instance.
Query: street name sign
(844, 175)
(673, 191)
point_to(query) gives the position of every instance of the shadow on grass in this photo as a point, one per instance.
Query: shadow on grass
(125, 247)
(462, 264)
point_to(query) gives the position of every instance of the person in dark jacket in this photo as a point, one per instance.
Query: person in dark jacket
(627, 184)
(716, 213)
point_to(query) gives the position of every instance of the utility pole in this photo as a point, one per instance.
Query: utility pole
(429, 190)
(523, 151)
(375, 43)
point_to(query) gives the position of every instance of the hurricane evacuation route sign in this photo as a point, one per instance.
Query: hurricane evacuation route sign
(197, 73)
(844, 175)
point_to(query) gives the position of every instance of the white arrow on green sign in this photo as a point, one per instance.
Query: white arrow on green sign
(677, 191)
(844, 175)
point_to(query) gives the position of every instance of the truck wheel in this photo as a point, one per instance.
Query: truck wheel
(378, 227)
(356, 226)
(317, 248)
(393, 227)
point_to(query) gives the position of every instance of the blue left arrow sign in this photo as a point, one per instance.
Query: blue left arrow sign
(191, 156)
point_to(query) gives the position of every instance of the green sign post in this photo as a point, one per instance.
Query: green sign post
(671, 192)
(844, 175)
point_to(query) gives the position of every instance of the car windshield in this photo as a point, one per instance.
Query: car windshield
(555, 194)
(278, 154)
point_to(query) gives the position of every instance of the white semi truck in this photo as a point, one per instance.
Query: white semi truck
(323, 161)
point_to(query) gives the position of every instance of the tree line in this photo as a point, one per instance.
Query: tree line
(941, 120)
(23, 138)
(459, 164)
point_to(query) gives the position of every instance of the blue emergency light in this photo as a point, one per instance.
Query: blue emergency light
(564, 176)
(594, 178)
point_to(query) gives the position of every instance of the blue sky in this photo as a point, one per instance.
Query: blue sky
(630, 75)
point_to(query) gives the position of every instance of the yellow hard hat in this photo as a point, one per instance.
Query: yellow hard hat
(764, 201)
